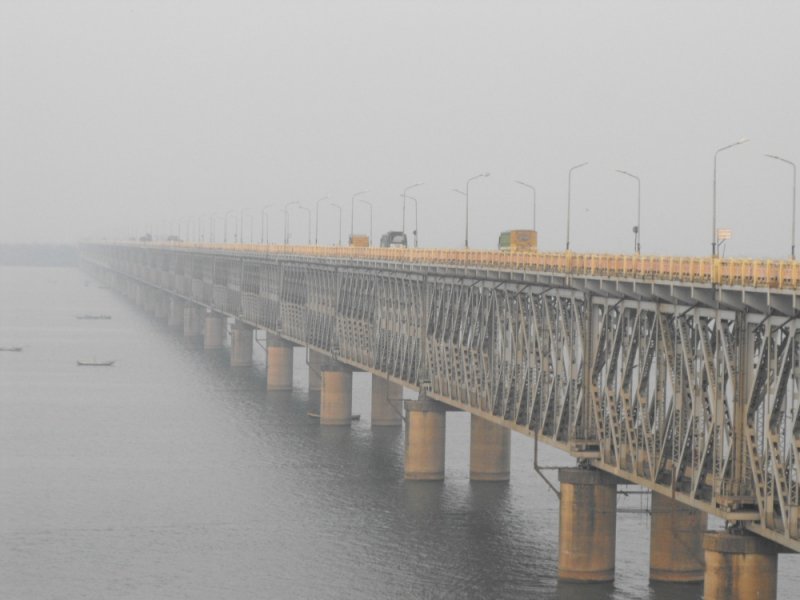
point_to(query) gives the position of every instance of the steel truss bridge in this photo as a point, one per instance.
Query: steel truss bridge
(679, 375)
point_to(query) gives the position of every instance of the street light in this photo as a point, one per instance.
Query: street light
(569, 197)
(225, 229)
(308, 215)
(405, 191)
(533, 189)
(340, 220)
(637, 246)
(352, 214)
(794, 193)
(416, 223)
(265, 223)
(466, 223)
(316, 220)
(714, 243)
(286, 220)
(368, 203)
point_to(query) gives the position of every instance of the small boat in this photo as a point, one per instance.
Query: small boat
(314, 415)
(10, 348)
(96, 363)
(92, 316)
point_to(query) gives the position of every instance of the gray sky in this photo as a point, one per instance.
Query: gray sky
(120, 117)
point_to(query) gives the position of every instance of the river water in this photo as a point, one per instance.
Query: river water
(172, 475)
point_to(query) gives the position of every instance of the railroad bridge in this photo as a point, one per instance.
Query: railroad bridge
(681, 375)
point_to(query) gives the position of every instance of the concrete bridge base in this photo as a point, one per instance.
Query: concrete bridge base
(193, 320)
(587, 525)
(176, 309)
(489, 451)
(315, 361)
(739, 567)
(336, 397)
(279, 364)
(214, 331)
(161, 306)
(676, 541)
(425, 436)
(387, 403)
(241, 345)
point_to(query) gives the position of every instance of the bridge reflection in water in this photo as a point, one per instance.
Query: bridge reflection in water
(677, 374)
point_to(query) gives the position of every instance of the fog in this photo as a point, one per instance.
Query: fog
(120, 118)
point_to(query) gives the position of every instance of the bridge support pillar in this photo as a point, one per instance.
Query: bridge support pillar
(213, 331)
(489, 451)
(315, 362)
(279, 364)
(193, 320)
(425, 435)
(176, 308)
(141, 296)
(587, 525)
(241, 345)
(161, 306)
(739, 567)
(387, 403)
(336, 396)
(676, 541)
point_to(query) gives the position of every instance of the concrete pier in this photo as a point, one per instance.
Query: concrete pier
(425, 436)
(315, 361)
(336, 396)
(489, 451)
(739, 567)
(676, 541)
(587, 525)
(387, 403)
(214, 331)
(194, 317)
(241, 345)
(279, 364)
(161, 306)
(176, 309)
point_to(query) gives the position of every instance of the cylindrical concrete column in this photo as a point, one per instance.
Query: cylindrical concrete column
(214, 331)
(587, 525)
(336, 397)
(676, 541)
(387, 403)
(176, 308)
(141, 296)
(193, 320)
(241, 345)
(279, 364)
(161, 306)
(425, 436)
(489, 450)
(315, 362)
(739, 567)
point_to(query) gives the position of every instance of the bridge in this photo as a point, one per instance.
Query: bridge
(680, 375)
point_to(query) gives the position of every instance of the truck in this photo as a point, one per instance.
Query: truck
(359, 240)
(394, 239)
(517, 240)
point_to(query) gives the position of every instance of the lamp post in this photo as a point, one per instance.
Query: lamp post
(569, 197)
(368, 203)
(265, 223)
(316, 219)
(225, 229)
(405, 191)
(466, 223)
(714, 243)
(308, 215)
(416, 223)
(794, 193)
(340, 220)
(352, 213)
(637, 246)
(286, 220)
(533, 189)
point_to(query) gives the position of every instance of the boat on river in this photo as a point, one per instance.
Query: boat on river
(10, 348)
(92, 316)
(96, 363)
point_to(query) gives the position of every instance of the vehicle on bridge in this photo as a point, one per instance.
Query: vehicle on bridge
(359, 240)
(394, 239)
(517, 240)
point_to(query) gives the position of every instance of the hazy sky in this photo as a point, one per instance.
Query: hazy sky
(120, 117)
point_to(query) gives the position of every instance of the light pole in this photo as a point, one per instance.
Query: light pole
(368, 203)
(405, 191)
(340, 220)
(352, 214)
(466, 223)
(416, 222)
(714, 243)
(794, 193)
(265, 223)
(533, 189)
(569, 197)
(225, 229)
(308, 215)
(316, 220)
(637, 246)
(286, 220)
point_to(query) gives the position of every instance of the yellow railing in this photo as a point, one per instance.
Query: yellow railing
(783, 274)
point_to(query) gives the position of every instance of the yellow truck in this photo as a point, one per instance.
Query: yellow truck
(517, 240)
(359, 240)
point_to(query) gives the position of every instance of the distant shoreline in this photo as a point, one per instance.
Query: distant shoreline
(39, 255)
